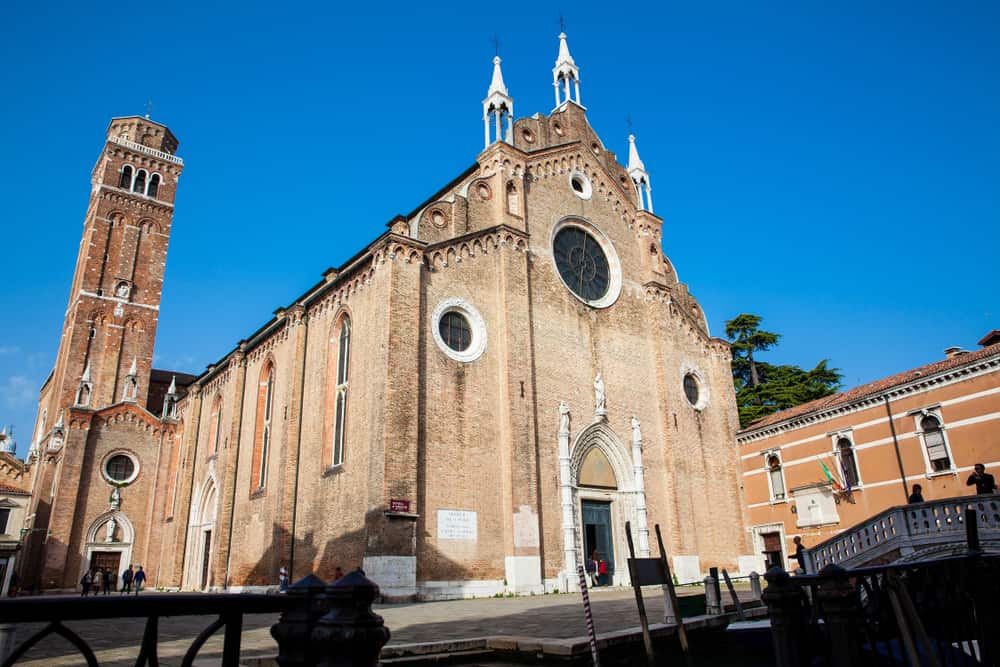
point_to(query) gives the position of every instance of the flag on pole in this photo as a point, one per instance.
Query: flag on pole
(829, 476)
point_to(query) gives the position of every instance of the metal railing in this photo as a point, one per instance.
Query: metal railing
(938, 612)
(906, 529)
(320, 624)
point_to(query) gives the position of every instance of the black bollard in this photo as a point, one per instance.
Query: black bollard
(786, 607)
(350, 634)
(971, 529)
(293, 631)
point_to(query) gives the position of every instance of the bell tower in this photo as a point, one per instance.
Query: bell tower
(106, 347)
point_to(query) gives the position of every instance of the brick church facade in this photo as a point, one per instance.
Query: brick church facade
(484, 394)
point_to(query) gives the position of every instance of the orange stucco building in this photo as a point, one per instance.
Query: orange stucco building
(944, 419)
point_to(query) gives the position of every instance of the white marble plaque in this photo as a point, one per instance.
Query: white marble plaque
(525, 527)
(456, 525)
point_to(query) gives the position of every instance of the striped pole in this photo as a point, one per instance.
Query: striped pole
(589, 616)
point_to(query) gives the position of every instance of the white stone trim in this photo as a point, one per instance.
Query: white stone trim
(689, 368)
(934, 412)
(476, 323)
(847, 434)
(587, 189)
(123, 452)
(614, 264)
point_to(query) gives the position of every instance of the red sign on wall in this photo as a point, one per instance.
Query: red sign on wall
(399, 505)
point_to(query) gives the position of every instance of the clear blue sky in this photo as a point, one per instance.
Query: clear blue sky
(830, 166)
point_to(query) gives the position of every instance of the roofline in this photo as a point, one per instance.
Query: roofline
(993, 358)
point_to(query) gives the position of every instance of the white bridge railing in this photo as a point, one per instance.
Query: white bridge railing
(147, 150)
(903, 530)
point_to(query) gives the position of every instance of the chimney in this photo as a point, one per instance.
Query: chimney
(992, 338)
(954, 351)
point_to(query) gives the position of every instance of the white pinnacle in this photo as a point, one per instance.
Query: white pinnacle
(133, 369)
(497, 85)
(173, 385)
(634, 162)
(566, 76)
(86, 374)
(564, 57)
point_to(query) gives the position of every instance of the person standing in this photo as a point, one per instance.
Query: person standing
(602, 572)
(982, 480)
(800, 555)
(138, 579)
(127, 581)
(106, 581)
(86, 581)
(283, 579)
(592, 567)
(916, 495)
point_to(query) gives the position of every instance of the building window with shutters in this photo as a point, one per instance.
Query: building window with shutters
(847, 460)
(937, 453)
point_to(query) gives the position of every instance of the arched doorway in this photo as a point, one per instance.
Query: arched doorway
(202, 530)
(605, 496)
(109, 544)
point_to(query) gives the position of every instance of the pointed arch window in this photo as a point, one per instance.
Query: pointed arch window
(154, 186)
(340, 407)
(935, 444)
(775, 477)
(215, 429)
(264, 432)
(126, 179)
(140, 181)
(848, 462)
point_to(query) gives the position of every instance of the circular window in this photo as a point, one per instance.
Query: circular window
(596, 148)
(558, 128)
(691, 389)
(459, 330)
(580, 184)
(455, 331)
(438, 218)
(528, 136)
(586, 263)
(120, 468)
(484, 191)
(695, 389)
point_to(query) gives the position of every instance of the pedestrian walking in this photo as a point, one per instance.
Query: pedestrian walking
(592, 567)
(602, 572)
(916, 495)
(127, 581)
(106, 578)
(283, 579)
(138, 579)
(982, 480)
(86, 581)
(800, 555)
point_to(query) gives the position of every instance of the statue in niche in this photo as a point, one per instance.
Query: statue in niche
(636, 430)
(110, 526)
(599, 394)
(563, 417)
(115, 500)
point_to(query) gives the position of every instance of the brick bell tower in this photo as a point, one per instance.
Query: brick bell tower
(107, 342)
(106, 349)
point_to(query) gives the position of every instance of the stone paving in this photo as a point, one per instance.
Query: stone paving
(116, 641)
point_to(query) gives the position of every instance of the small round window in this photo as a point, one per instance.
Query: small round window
(459, 330)
(455, 331)
(691, 389)
(580, 185)
(120, 468)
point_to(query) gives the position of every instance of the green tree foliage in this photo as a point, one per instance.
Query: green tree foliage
(763, 388)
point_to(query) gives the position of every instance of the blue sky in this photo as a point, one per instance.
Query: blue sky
(830, 166)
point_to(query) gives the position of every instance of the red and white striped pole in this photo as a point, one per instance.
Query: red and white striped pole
(589, 616)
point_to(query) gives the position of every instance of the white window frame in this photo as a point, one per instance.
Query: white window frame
(343, 344)
(265, 444)
(835, 438)
(935, 412)
(767, 473)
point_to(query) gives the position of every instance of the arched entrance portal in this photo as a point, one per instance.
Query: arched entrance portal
(604, 493)
(202, 529)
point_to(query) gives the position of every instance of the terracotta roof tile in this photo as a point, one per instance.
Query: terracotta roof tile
(876, 387)
(6, 489)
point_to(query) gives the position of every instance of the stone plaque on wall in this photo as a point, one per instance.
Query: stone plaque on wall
(456, 525)
(525, 527)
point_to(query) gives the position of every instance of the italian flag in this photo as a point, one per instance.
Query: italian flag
(829, 476)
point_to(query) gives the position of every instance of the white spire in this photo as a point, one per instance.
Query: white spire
(86, 374)
(566, 76)
(637, 171)
(500, 106)
(173, 385)
(133, 369)
(60, 424)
